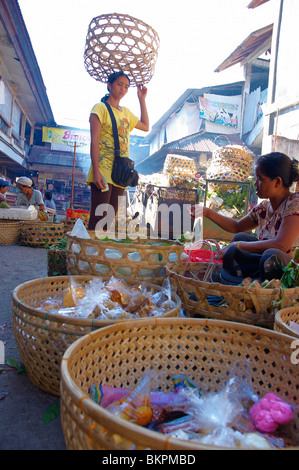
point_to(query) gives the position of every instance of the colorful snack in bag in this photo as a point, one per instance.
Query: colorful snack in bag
(183, 382)
(135, 406)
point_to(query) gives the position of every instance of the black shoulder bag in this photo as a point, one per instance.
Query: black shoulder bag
(123, 172)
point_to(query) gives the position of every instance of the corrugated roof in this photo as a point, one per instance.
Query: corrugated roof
(48, 157)
(253, 42)
(256, 3)
(190, 146)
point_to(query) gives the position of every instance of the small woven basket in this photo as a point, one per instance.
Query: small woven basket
(142, 260)
(41, 234)
(205, 351)
(9, 232)
(177, 165)
(43, 337)
(117, 42)
(283, 318)
(250, 305)
(230, 163)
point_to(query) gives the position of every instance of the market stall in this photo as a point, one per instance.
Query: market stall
(162, 201)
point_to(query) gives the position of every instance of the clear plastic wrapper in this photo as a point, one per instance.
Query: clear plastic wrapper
(111, 300)
(135, 406)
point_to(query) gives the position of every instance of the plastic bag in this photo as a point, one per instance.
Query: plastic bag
(79, 230)
(135, 407)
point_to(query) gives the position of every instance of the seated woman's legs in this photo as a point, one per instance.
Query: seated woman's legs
(272, 263)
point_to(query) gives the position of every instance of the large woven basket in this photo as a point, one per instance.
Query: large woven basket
(144, 259)
(205, 351)
(251, 305)
(43, 337)
(283, 319)
(117, 42)
(9, 232)
(41, 234)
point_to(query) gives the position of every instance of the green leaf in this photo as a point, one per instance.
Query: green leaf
(12, 362)
(21, 369)
(51, 413)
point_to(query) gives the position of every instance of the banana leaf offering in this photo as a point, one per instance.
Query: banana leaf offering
(290, 277)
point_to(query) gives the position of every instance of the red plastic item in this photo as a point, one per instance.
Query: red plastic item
(77, 214)
(201, 256)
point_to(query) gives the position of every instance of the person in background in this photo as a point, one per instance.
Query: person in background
(4, 185)
(103, 189)
(29, 196)
(49, 202)
(276, 218)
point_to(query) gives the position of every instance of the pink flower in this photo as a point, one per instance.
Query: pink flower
(281, 412)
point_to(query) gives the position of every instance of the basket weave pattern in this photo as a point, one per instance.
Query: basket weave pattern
(9, 232)
(185, 279)
(42, 337)
(230, 163)
(140, 261)
(283, 318)
(204, 350)
(40, 234)
(117, 42)
(69, 223)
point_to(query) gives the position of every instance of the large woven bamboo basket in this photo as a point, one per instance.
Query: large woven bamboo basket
(283, 319)
(143, 259)
(204, 350)
(9, 232)
(43, 337)
(251, 305)
(117, 42)
(41, 234)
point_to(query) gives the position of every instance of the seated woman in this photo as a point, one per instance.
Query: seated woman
(3, 189)
(49, 201)
(29, 196)
(275, 217)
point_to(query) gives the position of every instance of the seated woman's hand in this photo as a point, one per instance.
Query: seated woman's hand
(220, 253)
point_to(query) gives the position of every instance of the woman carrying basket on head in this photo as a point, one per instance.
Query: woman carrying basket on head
(103, 190)
(276, 218)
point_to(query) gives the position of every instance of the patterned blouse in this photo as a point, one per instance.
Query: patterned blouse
(269, 225)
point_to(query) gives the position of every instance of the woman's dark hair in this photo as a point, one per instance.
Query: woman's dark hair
(48, 195)
(112, 77)
(276, 164)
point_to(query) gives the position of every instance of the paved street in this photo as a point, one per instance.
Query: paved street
(22, 406)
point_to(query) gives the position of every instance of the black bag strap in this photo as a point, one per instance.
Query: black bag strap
(115, 131)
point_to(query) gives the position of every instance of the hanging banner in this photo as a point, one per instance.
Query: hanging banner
(57, 135)
(219, 111)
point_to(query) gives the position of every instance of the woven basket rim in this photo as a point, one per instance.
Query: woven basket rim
(41, 222)
(159, 241)
(87, 405)
(283, 325)
(218, 285)
(84, 322)
(10, 222)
